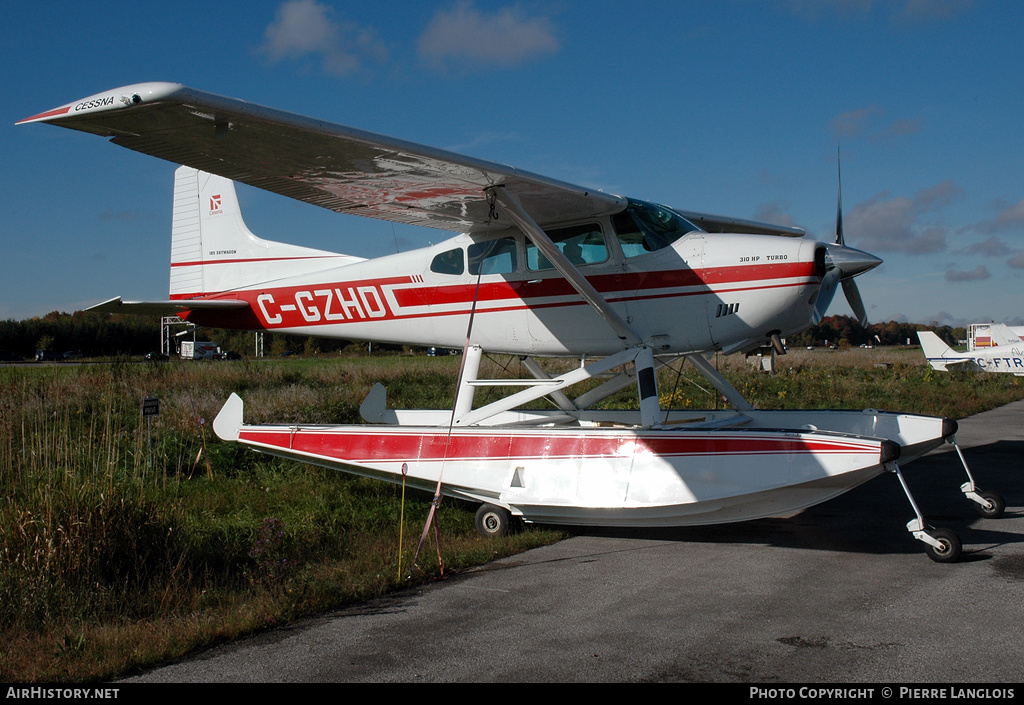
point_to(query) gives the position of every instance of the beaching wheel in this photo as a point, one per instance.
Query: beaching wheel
(492, 520)
(949, 549)
(996, 505)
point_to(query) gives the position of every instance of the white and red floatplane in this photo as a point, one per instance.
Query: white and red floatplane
(540, 269)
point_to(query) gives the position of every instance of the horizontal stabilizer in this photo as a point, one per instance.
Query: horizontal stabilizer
(939, 355)
(166, 308)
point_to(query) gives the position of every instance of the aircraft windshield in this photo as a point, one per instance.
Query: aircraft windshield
(646, 227)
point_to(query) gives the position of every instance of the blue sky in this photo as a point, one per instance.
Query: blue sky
(734, 107)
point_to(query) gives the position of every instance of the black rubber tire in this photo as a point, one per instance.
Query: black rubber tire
(998, 505)
(951, 546)
(492, 520)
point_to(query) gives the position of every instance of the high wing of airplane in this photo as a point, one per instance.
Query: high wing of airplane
(762, 288)
(539, 268)
(1006, 356)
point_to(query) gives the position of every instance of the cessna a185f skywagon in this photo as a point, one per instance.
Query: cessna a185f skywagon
(540, 269)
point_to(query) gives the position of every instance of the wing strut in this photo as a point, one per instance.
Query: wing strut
(511, 206)
(720, 383)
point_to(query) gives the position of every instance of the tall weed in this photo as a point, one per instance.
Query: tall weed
(124, 541)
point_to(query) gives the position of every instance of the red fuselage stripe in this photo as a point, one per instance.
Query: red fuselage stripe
(362, 446)
(283, 306)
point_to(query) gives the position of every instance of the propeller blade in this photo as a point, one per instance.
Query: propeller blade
(839, 207)
(856, 303)
(844, 263)
(829, 284)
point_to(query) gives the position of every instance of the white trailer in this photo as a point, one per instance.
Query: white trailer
(199, 350)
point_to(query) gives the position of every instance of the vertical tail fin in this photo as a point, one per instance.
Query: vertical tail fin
(935, 349)
(213, 251)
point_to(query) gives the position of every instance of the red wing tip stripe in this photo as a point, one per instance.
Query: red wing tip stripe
(43, 116)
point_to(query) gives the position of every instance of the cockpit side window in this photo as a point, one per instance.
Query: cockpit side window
(645, 227)
(581, 244)
(493, 256)
(450, 262)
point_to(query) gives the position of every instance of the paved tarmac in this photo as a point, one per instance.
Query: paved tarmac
(838, 594)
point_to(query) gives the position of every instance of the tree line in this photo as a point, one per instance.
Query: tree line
(112, 335)
(847, 331)
(107, 335)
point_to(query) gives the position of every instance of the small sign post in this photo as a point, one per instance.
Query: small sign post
(150, 408)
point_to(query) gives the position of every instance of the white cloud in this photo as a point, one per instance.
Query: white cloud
(889, 224)
(469, 37)
(854, 123)
(906, 11)
(1011, 218)
(301, 27)
(979, 273)
(776, 212)
(893, 223)
(867, 122)
(929, 10)
(1017, 261)
(937, 196)
(993, 247)
(307, 28)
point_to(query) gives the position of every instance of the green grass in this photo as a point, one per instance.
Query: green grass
(113, 557)
(122, 546)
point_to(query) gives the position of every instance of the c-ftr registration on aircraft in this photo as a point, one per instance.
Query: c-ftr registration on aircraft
(1003, 352)
(539, 269)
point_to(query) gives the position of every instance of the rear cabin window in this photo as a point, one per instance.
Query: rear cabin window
(450, 262)
(581, 244)
(493, 257)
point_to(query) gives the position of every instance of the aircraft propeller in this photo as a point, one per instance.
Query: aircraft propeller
(842, 264)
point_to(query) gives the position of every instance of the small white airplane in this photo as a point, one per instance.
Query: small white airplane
(1003, 352)
(541, 268)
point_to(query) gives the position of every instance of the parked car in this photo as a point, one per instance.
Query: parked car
(155, 357)
(72, 355)
(46, 356)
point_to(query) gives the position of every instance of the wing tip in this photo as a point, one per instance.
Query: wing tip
(113, 99)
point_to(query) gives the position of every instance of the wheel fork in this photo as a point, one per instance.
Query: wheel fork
(969, 489)
(917, 525)
(942, 545)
